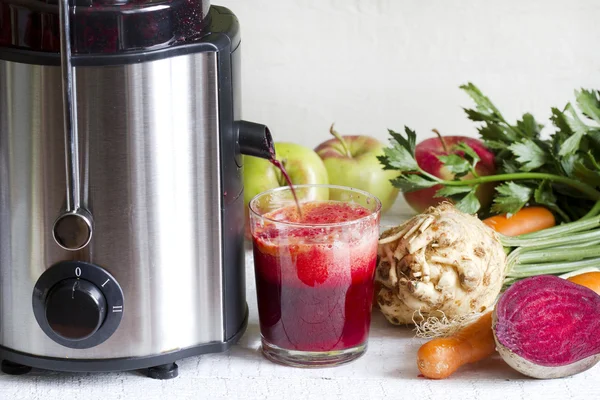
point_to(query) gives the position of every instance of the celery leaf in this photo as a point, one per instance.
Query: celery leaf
(528, 154)
(455, 164)
(449, 191)
(529, 127)
(589, 103)
(511, 197)
(470, 203)
(544, 195)
(412, 182)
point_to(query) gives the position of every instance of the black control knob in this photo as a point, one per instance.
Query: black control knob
(77, 304)
(75, 309)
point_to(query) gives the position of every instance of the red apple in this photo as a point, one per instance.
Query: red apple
(426, 154)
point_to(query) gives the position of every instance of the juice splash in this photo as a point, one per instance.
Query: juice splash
(315, 278)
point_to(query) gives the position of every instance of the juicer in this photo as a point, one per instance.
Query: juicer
(121, 194)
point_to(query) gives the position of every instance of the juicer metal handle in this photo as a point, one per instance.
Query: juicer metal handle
(73, 229)
(69, 109)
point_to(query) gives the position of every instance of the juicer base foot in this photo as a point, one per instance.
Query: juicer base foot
(11, 368)
(165, 371)
(117, 364)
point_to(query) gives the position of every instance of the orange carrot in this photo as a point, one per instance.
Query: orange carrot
(441, 357)
(591, 280)
(526, 220)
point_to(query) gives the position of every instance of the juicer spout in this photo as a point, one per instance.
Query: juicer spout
(255, 140)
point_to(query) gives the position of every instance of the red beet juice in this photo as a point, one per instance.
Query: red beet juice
(314, 275)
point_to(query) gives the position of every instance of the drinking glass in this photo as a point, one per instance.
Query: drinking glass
(314, 270)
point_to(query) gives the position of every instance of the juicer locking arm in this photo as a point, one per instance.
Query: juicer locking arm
(73, 228)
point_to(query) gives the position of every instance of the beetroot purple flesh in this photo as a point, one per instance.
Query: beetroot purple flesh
(549, 321)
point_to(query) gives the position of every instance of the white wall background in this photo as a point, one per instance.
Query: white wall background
(373, 64)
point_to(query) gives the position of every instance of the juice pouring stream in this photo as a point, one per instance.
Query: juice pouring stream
(279, 165)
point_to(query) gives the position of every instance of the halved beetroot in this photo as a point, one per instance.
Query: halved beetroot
(547, 327)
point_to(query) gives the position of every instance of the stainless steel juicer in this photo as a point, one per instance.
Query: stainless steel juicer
(121, 196)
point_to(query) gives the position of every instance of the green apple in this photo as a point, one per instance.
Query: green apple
(302, 164)
(352, 161)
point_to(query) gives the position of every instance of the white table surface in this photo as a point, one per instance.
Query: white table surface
(387, 370)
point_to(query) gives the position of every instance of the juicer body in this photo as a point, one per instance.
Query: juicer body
(160, 171)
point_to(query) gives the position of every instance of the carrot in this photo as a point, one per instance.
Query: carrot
(526, 220)
(591, 280)
(441, 357)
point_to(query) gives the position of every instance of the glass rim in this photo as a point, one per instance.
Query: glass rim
(376, 211)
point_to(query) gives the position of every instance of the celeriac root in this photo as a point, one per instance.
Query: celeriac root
(442, 263)
(434, 327)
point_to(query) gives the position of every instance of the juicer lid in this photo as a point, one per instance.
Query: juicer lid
(103, 26)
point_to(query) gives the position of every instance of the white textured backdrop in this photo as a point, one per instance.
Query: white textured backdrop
(370, 65)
